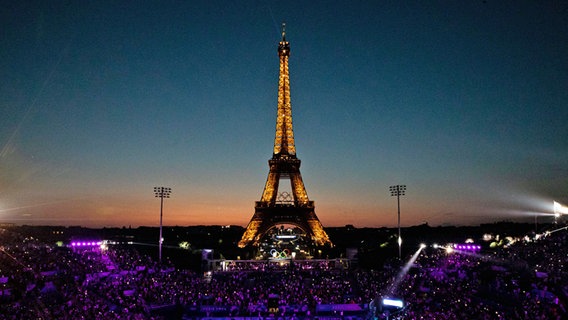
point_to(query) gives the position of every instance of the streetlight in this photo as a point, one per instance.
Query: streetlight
(161, 192)
(398, 191)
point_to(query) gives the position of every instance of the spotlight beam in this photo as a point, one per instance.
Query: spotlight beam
(400, 276)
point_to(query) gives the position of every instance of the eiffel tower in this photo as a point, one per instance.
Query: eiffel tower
(276, 208)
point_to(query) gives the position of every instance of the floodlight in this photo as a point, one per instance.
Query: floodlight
(560, 209)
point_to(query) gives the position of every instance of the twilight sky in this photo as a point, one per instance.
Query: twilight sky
(464, 102)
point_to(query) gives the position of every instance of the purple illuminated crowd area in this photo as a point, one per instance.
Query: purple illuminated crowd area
(88, 279)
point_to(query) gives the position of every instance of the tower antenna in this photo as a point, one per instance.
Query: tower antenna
(283, 31)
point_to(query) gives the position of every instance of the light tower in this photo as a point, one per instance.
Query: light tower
(398, 190)
(161, 192)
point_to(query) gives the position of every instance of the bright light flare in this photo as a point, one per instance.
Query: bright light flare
(527, 205)
(560, 209)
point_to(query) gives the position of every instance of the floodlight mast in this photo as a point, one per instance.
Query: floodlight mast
(535, 223)
(161, 192)
(398, 190)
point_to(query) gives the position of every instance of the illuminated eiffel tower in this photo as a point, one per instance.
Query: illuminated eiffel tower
(276, 208)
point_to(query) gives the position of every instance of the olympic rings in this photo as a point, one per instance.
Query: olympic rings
(280, 255)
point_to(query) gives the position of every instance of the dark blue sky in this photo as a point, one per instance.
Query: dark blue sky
(465, 102)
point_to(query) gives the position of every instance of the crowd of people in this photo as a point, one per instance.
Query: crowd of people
(526, 280)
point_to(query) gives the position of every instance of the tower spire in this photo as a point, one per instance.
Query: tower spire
(284, 139)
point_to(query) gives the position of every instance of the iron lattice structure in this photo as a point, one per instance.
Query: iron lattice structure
(284, 164)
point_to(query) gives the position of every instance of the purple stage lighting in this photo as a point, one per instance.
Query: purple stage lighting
(467, 247)
(86, 243)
